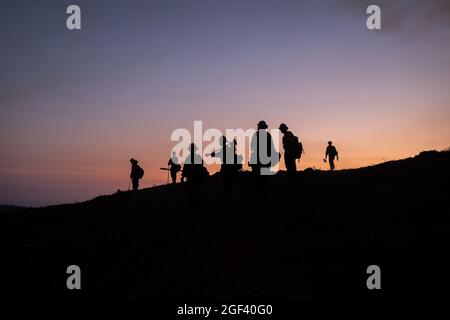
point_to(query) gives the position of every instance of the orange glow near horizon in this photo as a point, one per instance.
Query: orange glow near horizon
(76, 106)
(82, 181)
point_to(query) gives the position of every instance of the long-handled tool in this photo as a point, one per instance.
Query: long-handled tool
(220, 149)
(167, 169)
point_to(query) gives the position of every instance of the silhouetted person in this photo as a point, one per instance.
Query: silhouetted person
(228, 157)
(193, 171)
(192, 164)
(332, 153)
(262, 151)
(238, 158)
(292, 150)
(174, 167)
(136, 173)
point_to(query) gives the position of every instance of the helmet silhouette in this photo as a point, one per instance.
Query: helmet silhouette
(283, 127)
(262, 125)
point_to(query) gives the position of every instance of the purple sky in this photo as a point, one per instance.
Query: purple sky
(76, 105)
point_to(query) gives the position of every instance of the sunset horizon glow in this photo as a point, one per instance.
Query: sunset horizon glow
(75, 106)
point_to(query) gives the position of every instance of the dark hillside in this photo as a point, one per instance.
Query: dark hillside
(312, 239)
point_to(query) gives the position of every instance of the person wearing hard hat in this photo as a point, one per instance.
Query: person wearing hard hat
(291, 150)
(136, 173)
(331, 153)
(262, 151)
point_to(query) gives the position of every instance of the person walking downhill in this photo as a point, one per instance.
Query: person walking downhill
(332, 153)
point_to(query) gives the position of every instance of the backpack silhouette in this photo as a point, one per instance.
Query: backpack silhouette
(139, 172)
(297, 147)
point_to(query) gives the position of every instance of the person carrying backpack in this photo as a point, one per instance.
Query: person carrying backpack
(332, 153)
(136, 173)
(293, 150)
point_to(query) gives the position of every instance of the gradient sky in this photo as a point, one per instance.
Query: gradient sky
(76, 105)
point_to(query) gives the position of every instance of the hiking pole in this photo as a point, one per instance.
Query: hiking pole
(129, 183)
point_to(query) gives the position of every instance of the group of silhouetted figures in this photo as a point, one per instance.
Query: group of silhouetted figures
(263, 156)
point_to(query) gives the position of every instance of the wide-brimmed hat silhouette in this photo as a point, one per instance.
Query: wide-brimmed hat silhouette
(133, 161)
(283, 126)
(262, 125)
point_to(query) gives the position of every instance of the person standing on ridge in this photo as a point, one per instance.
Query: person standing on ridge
(194, 172)
(174, 166)
(228, 157)
(293, 150)
(192, 167)
(262, 152)
(332, 153)
(136, 173)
